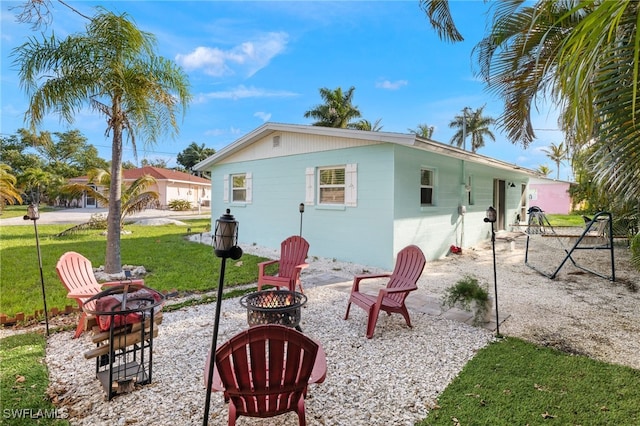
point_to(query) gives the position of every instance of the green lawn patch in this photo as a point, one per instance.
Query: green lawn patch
(23, 383)
(172, 262)
(513, 382)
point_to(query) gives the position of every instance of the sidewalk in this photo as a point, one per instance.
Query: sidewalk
(82, 215)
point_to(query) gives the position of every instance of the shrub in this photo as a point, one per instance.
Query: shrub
(98, 221)
(180, 205)
(464, 293)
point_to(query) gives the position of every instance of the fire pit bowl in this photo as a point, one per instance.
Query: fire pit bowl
(274, 307)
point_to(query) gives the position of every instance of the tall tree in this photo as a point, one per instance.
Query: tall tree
(113, 69)
(9, 194)
(193, 154)
(557, 154)
(583, 57)
(336, 111)
(579, 55)
(364, 124)
(472, 124)
(544, 170)
(422, 130)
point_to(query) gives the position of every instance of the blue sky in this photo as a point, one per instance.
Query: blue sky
(252, 62)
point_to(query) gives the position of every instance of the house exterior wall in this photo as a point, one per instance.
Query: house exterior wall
(387, 216)
(550, 195)
(435, 228)
(361, 234)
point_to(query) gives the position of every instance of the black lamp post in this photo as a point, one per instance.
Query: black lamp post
(492, 216)
(33, 214)
(225, 243)
(301, 209)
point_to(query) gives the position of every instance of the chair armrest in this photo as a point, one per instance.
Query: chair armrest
(358, 278)
(319, 372)
(302, 266)
(78, 296)
(398, 290)
(263, 265)
(123, 282)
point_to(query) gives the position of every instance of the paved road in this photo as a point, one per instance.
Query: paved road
(75, 216)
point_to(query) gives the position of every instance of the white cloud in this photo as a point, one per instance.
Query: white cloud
(243, 92)
(264, 116)
(391, 85)
(248, 57)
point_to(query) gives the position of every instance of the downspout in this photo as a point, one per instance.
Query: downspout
(461, 208)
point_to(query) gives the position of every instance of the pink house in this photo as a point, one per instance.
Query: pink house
(551, 195)
(170, 185)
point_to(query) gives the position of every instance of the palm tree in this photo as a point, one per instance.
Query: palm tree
(556, 153)
(472, 124)
(544, 170)
(582, 56)
(193, 154)
(365, 124)
(134, 196)
(336, 111)
(583, 60)
(8, 192)
(423, 130)
(111, 68)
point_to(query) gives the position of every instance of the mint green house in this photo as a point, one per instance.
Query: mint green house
(366, 194)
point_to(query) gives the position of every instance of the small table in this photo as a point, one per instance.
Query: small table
(124, 352)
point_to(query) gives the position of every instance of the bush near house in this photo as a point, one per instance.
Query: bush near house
(180, 205)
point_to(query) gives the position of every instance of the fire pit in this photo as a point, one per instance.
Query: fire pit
(274, 307)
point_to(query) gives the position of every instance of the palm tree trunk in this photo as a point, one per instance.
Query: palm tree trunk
(113, 262)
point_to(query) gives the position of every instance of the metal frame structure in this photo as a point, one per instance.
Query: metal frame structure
(538, 224)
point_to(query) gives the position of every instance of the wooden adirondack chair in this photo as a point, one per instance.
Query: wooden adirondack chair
(264, 371)
(76, 273)
(409, 266)
(293, 252)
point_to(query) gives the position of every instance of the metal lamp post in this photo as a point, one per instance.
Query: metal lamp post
(225, 243)
(301, 209)
(33, 214)
(492, 216)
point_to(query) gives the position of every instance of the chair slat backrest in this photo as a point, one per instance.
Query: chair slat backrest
(293, 252)
(410, 263)
(76, 273)
(265, 369)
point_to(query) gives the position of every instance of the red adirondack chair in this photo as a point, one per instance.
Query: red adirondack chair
(293, 252)
(264, 371)
(409, 266)
(76, 273)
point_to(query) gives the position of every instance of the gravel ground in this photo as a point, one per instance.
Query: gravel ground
(393, 378)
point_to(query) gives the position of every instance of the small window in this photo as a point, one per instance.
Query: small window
(426, 187)
(331, 185)
(239, 188)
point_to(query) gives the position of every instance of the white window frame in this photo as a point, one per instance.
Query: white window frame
(230, 190)
(332, 185)
(313, 187)
(433, 186)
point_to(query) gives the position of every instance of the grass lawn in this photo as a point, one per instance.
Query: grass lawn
(510, 382)
(513, 382)
(23, 383)
(170, 260)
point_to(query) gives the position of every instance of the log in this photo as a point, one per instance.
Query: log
(122, 341)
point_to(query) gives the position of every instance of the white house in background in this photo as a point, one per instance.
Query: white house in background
(551, 195)
(366, 194)
(170, 185)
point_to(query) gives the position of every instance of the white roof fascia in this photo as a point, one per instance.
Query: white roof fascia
(410, 140)
(269, 128)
